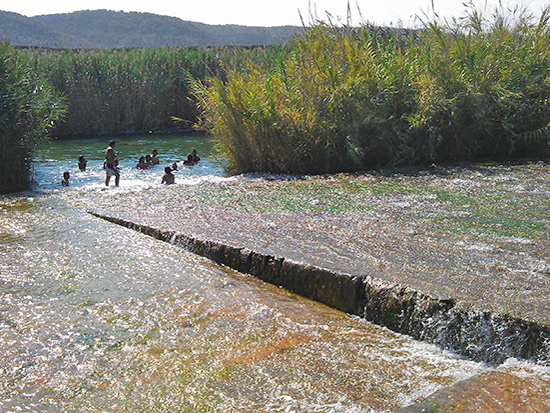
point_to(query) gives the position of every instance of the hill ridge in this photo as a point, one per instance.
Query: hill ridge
(115, 29)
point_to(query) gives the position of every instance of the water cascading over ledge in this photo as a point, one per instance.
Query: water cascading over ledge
(479, 336)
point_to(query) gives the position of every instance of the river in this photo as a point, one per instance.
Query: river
(98, 318)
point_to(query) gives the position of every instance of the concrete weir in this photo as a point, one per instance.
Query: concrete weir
(480, 336)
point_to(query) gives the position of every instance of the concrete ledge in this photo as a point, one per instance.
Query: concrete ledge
(340, 291)
(480, 336)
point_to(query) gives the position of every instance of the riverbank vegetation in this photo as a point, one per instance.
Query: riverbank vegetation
(118, 91)
(335, 99)
(346, 99)
(122, 91)
(28, 109)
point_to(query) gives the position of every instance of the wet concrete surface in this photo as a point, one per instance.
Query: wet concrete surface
(480, 271)
(492, 276)
(503, 275)
(490, 392)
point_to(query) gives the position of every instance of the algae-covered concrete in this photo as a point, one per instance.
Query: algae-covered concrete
(476, 240)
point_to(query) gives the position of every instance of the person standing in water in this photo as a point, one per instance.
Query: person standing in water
(65, 180)
(142, 164)
(155, 157)
(111, 164)
(82, 163)
(192, 158)
(168, 177)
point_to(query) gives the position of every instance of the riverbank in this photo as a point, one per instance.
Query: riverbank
(473, 239)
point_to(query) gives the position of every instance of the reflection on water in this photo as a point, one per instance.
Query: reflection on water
(95, 317)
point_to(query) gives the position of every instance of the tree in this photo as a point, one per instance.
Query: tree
(28, 109)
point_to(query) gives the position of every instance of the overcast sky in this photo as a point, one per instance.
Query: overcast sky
(273, 12)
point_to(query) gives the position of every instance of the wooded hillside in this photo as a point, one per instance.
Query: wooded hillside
(111, 29)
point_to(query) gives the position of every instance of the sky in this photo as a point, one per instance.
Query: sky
(278, 12)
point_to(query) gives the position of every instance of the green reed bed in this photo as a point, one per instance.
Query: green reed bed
(28, 109)
(123, 90)
(353, 99)
(116, 91)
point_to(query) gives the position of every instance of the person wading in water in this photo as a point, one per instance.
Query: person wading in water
(111, 164)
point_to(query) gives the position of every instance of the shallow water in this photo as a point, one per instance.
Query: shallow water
(59, 156)
(96, 317)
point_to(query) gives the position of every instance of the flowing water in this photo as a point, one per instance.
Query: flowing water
(98, 318)
(59, 156)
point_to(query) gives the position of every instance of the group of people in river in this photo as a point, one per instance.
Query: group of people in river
(82, 162)
(148, 160)
(112, 169)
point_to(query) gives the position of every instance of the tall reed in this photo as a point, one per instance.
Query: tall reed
(121, 91)
(486, 86)
(344, 99)
(28, 109)
(113, 91)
